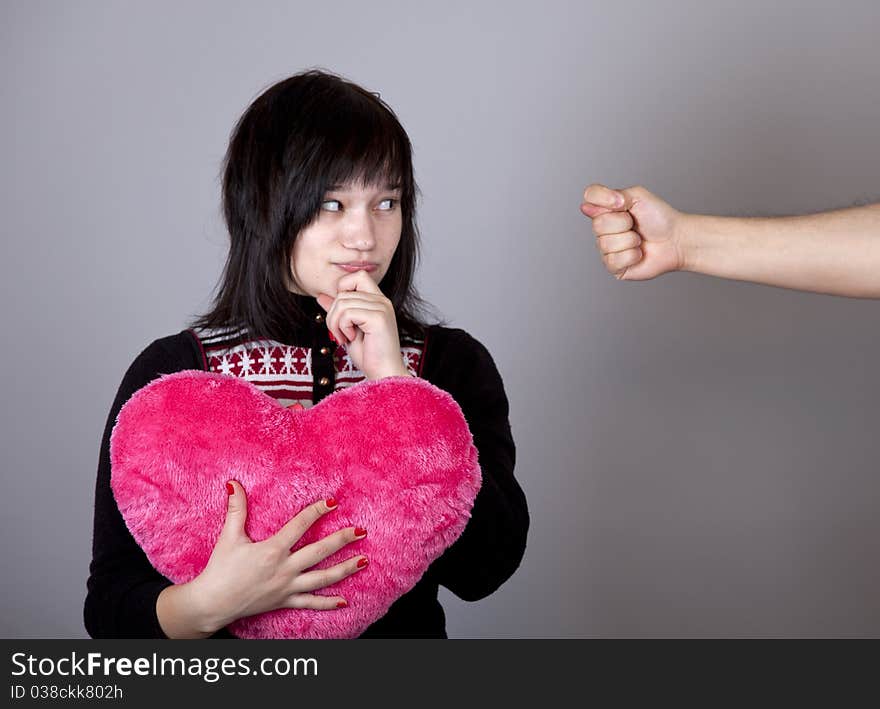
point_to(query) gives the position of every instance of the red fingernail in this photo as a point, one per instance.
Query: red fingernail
(230, 490)
(331, 503)
(362, 562)
(296, 407)
(360, 532)
(332, 339)
(341, 604)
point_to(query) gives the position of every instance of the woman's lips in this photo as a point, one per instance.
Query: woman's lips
(354, 266)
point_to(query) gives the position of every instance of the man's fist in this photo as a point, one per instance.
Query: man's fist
(637, 233)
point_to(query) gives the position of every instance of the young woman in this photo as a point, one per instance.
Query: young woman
(317, 295)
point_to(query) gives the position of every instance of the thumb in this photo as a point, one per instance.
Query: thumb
(638, 196)
(325, 301)
(600, 199)
(236, 510)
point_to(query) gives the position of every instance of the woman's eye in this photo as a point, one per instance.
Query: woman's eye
(386, 205)
(331, 205)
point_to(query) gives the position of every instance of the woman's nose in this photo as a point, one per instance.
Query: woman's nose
(358, 233)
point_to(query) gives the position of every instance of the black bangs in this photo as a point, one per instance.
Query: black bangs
(363, 147)
(299, 139)
(350, 136)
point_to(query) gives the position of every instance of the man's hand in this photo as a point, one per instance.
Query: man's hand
(637, 233)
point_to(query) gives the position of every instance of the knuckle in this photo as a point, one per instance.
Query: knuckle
(266, 558)
(611, 223)
(605, 227)
(321, 578)
(296, 601)
(300, 526)
(233, 508)
(336, 573)
(613, 261)
(324, 548)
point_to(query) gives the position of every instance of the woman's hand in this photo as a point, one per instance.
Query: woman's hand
(362, 319)
(638, 234)
(243, 577)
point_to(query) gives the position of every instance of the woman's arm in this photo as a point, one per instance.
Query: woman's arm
(493, 543)
(123, 586)
(640, 237)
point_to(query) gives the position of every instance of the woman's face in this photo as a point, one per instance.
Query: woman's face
(358, 228)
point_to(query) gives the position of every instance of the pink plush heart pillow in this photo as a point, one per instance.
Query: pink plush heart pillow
(396, 454)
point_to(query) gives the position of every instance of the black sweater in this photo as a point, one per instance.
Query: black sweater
(123, 586)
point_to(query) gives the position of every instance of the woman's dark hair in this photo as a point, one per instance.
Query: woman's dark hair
(297, 139)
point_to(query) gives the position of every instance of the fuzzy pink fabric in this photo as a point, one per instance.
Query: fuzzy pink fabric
(396, 454)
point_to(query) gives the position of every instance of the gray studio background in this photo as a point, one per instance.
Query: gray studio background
(700, 457)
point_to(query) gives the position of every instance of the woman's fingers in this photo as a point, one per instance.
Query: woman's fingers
(298, 525)
(339, 319)
(315, 552)
(355, 287)
(349, 314)
(367, 319)
(318, 603)
(236, 512)
(321, 578)
(363, 320)
(357, 281)
(329, 305)
(357, 295)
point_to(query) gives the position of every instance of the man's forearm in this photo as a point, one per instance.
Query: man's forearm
(832, 252)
